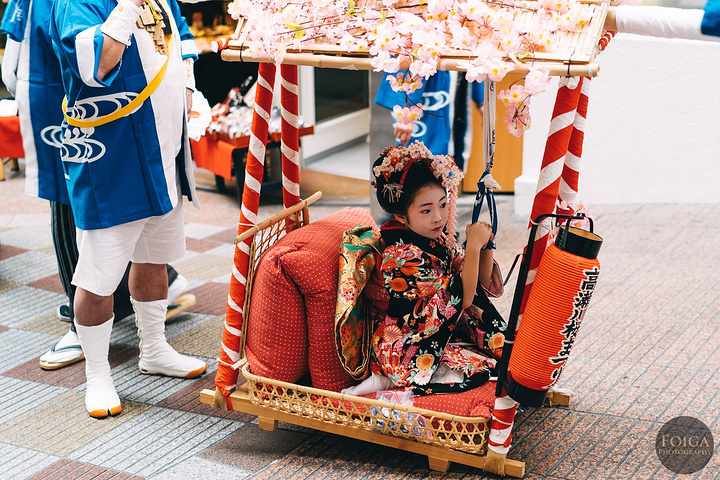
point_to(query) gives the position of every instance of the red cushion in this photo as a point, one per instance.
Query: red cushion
(277, 342)
(313, 267)
(477, 402)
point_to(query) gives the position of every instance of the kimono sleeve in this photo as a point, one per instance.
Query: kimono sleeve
(410, 273)
(78, 41)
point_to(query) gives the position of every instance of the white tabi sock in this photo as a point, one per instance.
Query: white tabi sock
(101, 399)
(157, 357)
(374, 383)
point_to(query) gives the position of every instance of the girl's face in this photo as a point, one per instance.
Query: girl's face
(428, 213)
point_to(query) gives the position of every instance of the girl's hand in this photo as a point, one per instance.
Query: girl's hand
(478, 234)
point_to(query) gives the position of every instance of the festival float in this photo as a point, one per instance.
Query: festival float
(485, 41)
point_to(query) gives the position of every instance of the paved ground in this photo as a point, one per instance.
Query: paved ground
(648, 351)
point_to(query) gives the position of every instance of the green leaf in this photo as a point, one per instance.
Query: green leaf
(296, 28)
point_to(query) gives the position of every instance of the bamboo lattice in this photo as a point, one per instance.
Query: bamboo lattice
(467, 434)
(574, 52)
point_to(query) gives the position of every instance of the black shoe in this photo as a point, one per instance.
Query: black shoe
(63, 313)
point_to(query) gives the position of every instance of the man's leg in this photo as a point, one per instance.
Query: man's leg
(94, 320)
(178, 299)
(68, 350)
(148, 289)
(104, 256)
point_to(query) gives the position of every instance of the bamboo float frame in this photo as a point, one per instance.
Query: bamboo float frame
(575, 56)
(360, 63)
(464, 441)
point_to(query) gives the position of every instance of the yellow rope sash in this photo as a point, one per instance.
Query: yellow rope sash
(135, 102)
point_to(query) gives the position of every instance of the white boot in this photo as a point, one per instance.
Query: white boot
(101, 399)
(157, 357)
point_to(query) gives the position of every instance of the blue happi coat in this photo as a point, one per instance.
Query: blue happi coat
(711, 18)
(39, 93)
(433, 128)
(131, 168)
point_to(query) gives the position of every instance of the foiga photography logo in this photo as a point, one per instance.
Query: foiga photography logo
(684, 445)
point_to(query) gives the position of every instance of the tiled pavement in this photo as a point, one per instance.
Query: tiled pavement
(649, 350)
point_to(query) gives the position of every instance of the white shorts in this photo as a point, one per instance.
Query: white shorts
(105, 253)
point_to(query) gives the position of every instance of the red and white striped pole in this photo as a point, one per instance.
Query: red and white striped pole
(501, 423)
(556, 148)
(569, 179)
(290, 136)
(568, 189)
(559, 172)
(559, 175)
(226, 377)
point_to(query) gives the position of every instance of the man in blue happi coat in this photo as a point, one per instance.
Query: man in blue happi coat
(433, 128)
(31, 72)
(127, 76)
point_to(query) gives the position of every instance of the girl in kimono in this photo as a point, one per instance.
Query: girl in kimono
(440, 334)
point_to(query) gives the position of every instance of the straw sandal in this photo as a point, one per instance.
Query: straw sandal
(65, 352)
(180, 304)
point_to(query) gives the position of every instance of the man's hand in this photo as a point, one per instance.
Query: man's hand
(403, 133)
(188, 94)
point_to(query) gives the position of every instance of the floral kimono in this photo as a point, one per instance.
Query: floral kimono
(425, 325)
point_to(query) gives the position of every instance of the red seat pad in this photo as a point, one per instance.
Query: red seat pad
(476, 402)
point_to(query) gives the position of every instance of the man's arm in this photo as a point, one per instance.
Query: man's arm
(117, 29)
(10, 64)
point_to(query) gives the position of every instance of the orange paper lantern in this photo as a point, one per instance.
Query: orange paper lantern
(565, 281)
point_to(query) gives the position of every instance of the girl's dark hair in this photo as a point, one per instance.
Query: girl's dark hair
(419, 175)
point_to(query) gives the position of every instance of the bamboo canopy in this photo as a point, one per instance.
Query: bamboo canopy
(573, 54)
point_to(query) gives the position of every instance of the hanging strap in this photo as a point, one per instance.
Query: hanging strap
(486, 182)
(135, 102)
(486, 192)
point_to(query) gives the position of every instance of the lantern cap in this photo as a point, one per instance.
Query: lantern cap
(524, 395)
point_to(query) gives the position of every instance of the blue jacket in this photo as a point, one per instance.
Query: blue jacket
(433, 129)
(131, 168)
(39, 93)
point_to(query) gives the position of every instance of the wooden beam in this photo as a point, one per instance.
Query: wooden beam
(363, 63)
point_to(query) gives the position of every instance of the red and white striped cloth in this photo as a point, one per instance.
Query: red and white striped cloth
(290, 137)
(501, 424)
(220, 44)
(226, 377)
